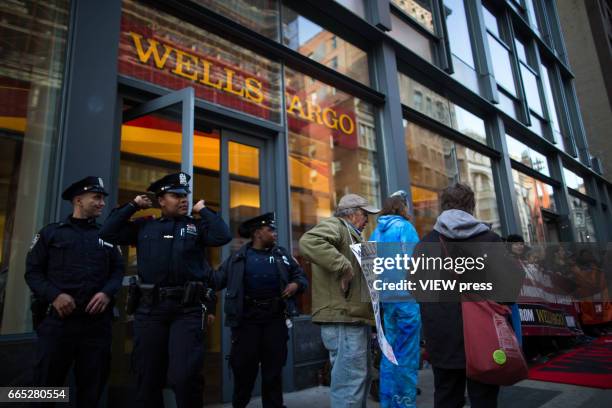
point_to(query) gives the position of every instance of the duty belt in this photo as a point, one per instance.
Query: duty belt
(262, 303)
(171, 292)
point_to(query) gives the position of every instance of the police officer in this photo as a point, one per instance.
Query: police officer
(172, 268)
(261, 280)
(77, 275)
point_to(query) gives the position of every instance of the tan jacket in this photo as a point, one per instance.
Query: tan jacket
(327, 247)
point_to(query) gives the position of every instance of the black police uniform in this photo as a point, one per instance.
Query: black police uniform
(168, 334)
(68, 257)
(256, 314)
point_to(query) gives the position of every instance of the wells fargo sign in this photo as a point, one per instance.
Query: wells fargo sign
(221, 77)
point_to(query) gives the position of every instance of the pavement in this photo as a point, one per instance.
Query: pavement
(525, 394)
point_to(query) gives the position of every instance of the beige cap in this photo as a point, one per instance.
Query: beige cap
(356, 201)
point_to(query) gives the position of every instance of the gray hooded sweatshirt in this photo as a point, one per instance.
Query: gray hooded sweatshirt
(458, 224)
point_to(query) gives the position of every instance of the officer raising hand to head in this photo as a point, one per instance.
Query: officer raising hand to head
(169, 318)
(69, 268)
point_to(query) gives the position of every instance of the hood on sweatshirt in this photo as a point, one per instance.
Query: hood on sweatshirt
(458, 224)
(385, 222)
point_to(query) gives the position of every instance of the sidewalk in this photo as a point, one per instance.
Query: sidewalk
(526, 394)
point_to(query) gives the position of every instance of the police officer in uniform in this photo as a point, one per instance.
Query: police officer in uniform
(261, 280)
(74, 273)
(173, 272)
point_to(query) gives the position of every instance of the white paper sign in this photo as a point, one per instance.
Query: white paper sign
(370, 276)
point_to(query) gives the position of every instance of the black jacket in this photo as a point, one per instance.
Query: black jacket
(230, 275)
(170, 251)
(70, 258)
(442, 321)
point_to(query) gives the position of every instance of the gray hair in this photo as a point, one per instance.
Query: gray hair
(345, 212)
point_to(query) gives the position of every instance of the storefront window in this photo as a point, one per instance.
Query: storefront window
(31, 77)
(164, 50)
(332, 152)
(467, 123)
(307, 38)
(260, 16)
(574, 181)
(430, 103)
(582, 220)
(522, 153)
(436, 162)
(419, 10)
(532, 195)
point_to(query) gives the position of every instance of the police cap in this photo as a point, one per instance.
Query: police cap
(251, 225)
(172, 183)
(90, 184)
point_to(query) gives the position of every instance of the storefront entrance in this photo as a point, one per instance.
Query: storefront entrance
(165, 135)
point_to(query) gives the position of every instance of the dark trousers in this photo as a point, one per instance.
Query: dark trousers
(255, 344)
(450, 390)
(84, 341)
(168, 348)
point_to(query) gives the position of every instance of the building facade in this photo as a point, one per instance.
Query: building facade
(587, 31)
(285, 106)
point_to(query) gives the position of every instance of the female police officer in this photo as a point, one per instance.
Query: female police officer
(169, 321)
(261, 280)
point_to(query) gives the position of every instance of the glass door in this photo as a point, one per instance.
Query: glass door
(163, 136)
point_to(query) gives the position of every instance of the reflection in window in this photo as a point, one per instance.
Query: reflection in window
(490, 21)
(260, 16)
(502, 66)
(307, 38)
(31, 77)
(162, 49)
(460, 44)
(532, 195)
(521, 153)
(459, 34)
(533, 21)
(411, 38)
(530, 79)
(582, 220)
(507, 104)
(430, 103)
(468, 123)
(418, 10)
(356, 6)
(332, 152)
(574, 181)
(552, 107)
(434, 163)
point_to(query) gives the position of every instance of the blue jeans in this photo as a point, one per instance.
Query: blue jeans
(398, 383)
(349, 354)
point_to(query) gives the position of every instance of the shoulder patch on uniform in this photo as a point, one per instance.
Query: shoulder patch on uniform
(285, 260)
(34, 241)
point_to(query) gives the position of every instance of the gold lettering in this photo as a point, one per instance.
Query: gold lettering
(206, 75)
(254, 90)
(351, 124)
(295, 103)
(183, 65)
(327, 113)
(145, 56)
(229, 84)
(314, 110)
